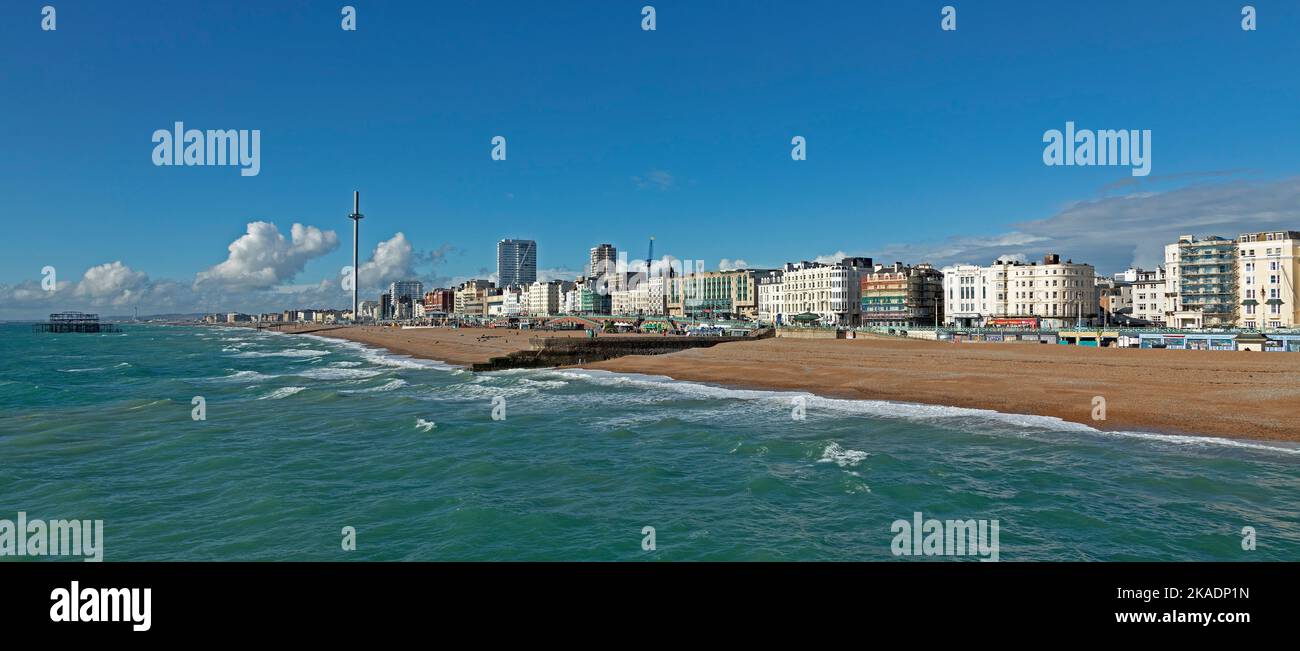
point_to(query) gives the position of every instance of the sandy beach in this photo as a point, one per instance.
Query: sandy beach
(1227, 394)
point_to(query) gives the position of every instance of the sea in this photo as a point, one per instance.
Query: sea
(210, 443)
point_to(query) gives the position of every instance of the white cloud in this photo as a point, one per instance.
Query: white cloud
(727, 264)
(262, 257)
(108, 285)
(112, 281)
(557, 273)
(392, 259)
(832, 258)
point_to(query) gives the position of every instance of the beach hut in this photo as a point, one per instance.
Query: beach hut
(1252, 341)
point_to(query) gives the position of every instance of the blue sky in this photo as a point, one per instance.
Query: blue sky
(923, 145)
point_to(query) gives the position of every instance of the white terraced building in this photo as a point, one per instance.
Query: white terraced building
(1056, 294)
(544, 297)
(1268, 267)
(771, 297)
(1149, 294)
(645, 296)
(831, 291)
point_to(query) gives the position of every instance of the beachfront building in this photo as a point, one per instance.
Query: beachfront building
(967, 300)
(620, 302)
(403, 308)
(1201, 282)
(367, 310)
(901, 295)
(1059, 294)
(606, 272)
(771, 300)
(1270, 298)
(642, 296)
(1051, 294)
(714, 294)
(592, 301)
(507, 302)
(471, 297)
(570, 301)
(1115, 297)
(603, 256)
(516, 262)
(832, 292)
(1148, 290)
(411, 290)
(544, 297)
(440, 301)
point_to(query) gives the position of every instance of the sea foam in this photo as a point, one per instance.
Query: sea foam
(959, 418)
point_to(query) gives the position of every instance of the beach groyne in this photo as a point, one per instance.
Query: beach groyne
(547, 352)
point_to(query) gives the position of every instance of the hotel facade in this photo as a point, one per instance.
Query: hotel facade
(1149, 295)
(902, 295)
(832, 292)
(714, 294)
(1051, 294)
(771, 297)
(1268, 267)
(644, 296)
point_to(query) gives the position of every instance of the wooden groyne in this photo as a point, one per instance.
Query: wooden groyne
(549, 352)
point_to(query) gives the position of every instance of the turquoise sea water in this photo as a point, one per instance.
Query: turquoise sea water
(305, 436)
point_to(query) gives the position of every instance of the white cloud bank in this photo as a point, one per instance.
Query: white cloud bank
(263, 258)
(1115, 232)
